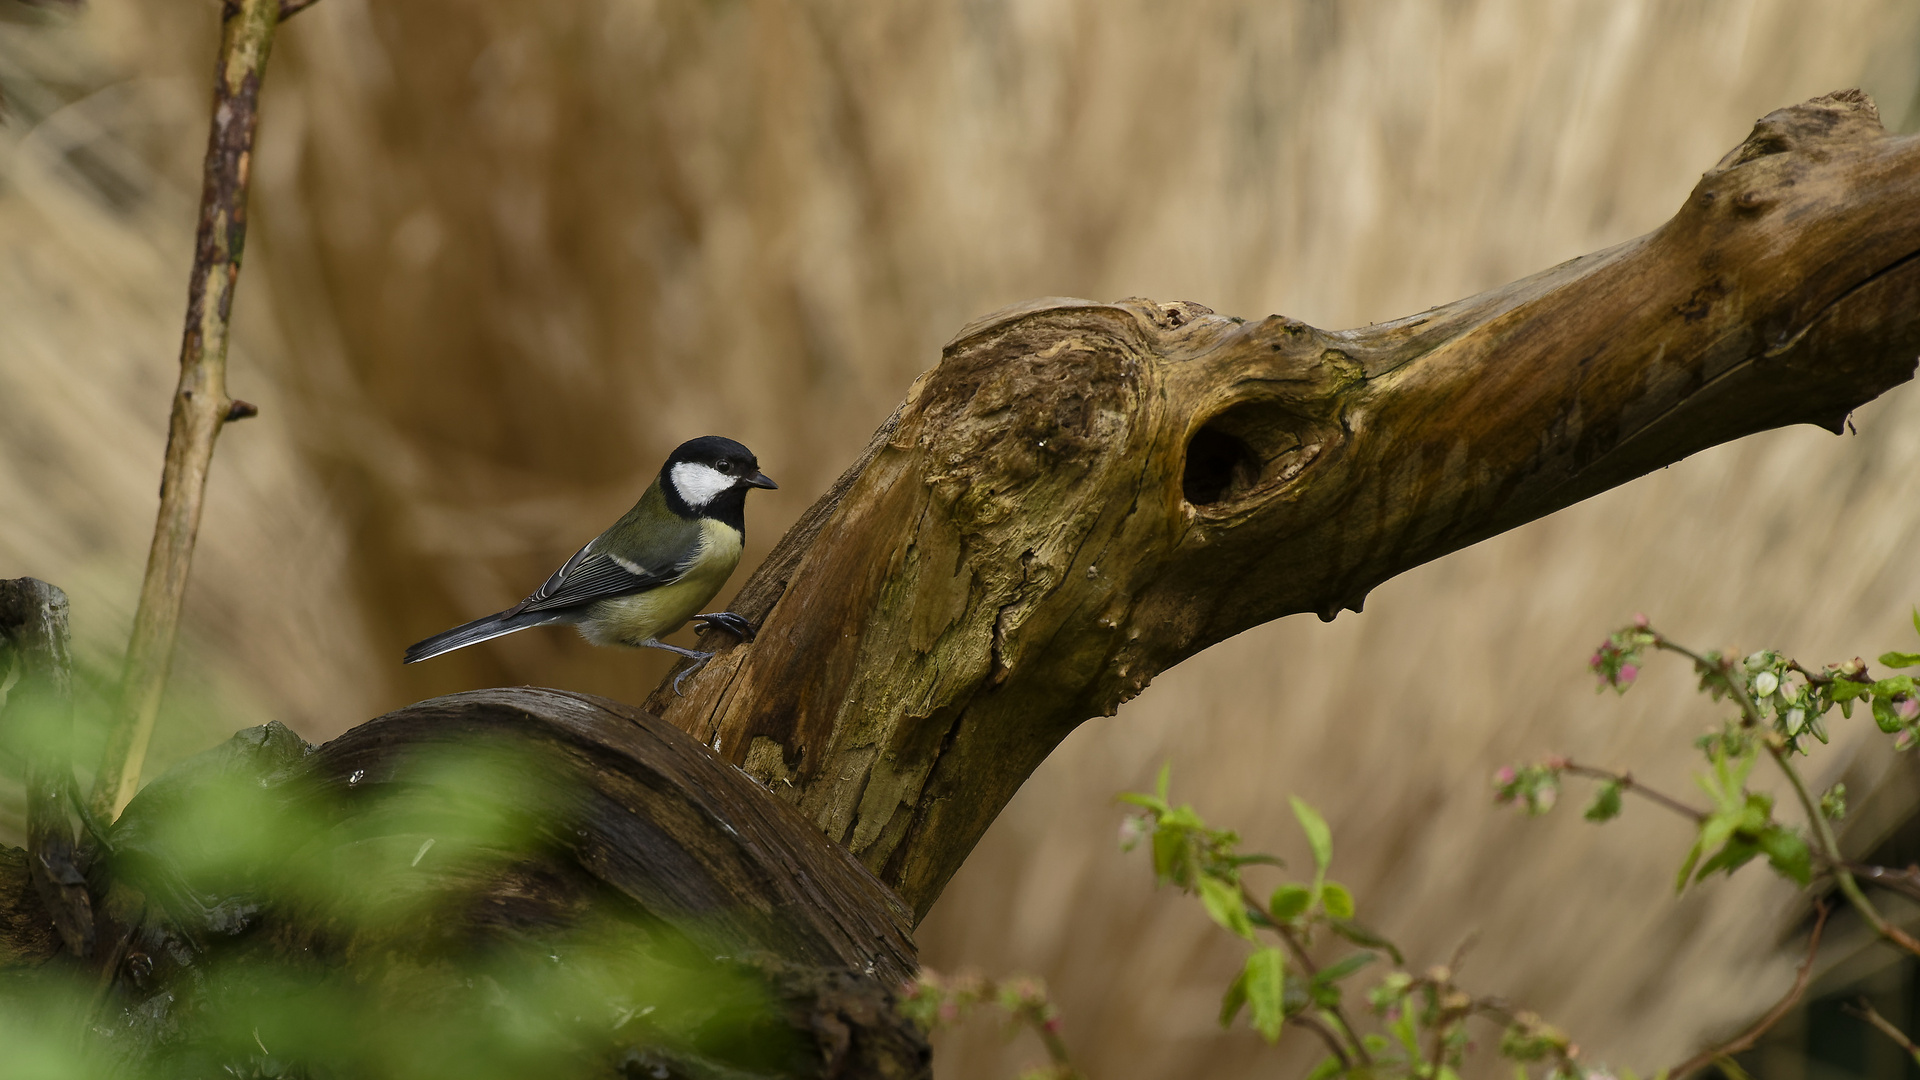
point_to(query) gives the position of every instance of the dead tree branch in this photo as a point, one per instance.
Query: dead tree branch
(1080, 495)
(200, 402)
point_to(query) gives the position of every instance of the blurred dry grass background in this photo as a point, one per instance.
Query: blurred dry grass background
(507, 254)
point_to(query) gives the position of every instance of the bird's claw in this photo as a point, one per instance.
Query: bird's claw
(699, 661)
(732, 623)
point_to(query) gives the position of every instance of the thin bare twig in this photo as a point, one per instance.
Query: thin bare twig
(1628, 783)
(1327, 1035)
(1864, 1010)
(1905, 882)
(200, 403)
(1747, 1038)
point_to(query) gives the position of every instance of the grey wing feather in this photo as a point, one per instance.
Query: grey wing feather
(590, 576)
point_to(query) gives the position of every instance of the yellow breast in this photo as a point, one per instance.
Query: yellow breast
(632, 620)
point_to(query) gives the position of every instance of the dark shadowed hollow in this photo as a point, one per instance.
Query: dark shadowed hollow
(506, 255)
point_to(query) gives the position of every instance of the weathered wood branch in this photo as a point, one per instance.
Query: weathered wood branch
(1080, 495)
(35, 659)
(201, 406)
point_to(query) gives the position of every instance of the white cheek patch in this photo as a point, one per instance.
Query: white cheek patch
(697, 484)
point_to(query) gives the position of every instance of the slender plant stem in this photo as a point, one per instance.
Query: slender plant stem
(200, 402)
(1628, 783)
(1830, 851)
(1305, 963)
(1747, 1038)
(1864, 1010)
(1327, 1035)
(1827, 847)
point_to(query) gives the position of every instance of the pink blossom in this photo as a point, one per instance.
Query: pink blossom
(1505, 776)
(1639, 620)
(1628, 672)
(1906, 708)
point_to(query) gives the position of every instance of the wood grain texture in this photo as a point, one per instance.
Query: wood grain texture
(1080, 495)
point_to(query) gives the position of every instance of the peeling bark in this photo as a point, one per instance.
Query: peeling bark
(1079, 495)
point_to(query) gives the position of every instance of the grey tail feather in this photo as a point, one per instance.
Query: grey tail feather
(492, 626)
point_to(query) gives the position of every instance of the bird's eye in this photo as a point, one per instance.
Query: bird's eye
(725, 466)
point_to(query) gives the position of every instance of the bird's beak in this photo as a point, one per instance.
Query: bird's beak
(761, 480)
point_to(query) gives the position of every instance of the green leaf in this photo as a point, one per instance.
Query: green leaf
(1289, 901)
(1361, 935)
(1843, 689)
(1235, 997)
(1606, 802)
(1344, 967)
(1787, 852)
(1736, 853)
(1160, 782)
(1891, 685)
(1223, 902)
(1170, 854)
(1145, 802)
(1900, 659)
(1319, 837)
(1328, 1068)
(1265, 977)
(1338, 901)
(1884, 716)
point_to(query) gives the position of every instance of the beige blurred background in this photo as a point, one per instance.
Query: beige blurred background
(507, 254)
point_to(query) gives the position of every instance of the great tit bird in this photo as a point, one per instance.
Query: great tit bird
(648, 574)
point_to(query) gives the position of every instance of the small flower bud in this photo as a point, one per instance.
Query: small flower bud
(1629, 672)
(1504, 776)
(1906, 707)
(1639, 620)
(1765, 683)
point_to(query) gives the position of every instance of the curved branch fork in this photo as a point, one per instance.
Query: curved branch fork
(1080, 495)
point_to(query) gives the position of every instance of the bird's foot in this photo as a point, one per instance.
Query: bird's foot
(732, 623)
(682, 677)
(699, 660)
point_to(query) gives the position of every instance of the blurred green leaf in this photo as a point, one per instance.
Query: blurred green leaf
(1788, 853)
(1328, 1068)
(1365, 936)
(1319, 837)
(1344, 967)
(1338, 901)
(1265, 977)
(1842, 689)
(1161, 781)
(1289, 901)
(1606, 802)
(1885, 718)
(1900, 659)
(1145, 802)
(1222, 901)
(1235, 997)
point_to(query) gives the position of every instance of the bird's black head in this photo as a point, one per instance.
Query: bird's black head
(708, 477)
